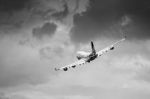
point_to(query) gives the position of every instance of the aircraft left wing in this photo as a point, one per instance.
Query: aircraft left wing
(73, 65)
(111, 47)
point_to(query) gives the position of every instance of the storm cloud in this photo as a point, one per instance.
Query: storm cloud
(48, 29)
(105, 17)
(18, 15)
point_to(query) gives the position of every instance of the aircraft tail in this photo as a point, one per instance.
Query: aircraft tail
(93, 48)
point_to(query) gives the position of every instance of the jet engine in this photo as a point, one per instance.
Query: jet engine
(65, 69)
(82, 54)
(112, 48)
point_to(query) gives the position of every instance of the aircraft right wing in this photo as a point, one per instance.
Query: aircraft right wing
(73, 65)
(111, 47)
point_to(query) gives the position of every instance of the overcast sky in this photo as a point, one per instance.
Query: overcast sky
(38, 35)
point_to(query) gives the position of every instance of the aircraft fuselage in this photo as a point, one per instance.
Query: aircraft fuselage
(92, 57)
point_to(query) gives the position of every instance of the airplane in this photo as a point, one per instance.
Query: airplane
(87, 57)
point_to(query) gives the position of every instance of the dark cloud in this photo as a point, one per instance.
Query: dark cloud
(16, 15)
(15, 5)
(47, 29)
(62, 14)
(104, 17)
(13, 14)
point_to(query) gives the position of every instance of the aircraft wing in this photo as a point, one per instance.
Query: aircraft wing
(73, 65)
(111, 47)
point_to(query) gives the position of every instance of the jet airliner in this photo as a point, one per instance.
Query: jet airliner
(86, 57)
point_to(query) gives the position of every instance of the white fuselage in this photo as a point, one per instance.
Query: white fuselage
(86, 55)
(82, 54)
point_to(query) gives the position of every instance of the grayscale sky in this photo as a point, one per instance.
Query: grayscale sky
(38, 35)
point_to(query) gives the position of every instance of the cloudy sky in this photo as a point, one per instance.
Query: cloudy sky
(38, 35)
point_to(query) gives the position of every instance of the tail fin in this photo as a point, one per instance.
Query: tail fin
(93, 48)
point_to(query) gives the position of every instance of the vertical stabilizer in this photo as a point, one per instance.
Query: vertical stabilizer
(93, 48)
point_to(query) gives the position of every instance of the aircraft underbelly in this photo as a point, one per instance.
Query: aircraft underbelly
(91, 58)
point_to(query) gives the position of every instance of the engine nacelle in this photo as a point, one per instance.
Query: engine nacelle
(112, 48)
(65, 69)
(78, 57)
(82, 54)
